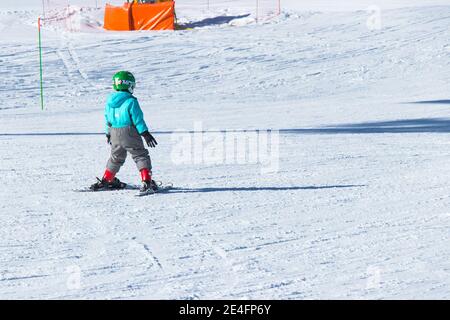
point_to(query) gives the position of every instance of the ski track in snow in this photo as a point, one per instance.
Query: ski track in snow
(358, 209)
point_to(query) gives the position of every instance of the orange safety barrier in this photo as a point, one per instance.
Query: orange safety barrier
(118, 18)
(140, 16)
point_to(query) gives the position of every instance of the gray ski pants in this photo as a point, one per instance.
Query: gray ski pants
(125, 140)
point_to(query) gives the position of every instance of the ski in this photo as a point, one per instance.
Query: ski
(161, 188)
(124, 187)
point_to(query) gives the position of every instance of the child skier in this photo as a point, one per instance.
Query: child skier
(124, 127)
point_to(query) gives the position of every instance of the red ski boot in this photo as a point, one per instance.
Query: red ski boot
(148, 185)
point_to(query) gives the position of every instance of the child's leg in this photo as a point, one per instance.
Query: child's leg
(117, 158)
(141, 158)
(139, 153)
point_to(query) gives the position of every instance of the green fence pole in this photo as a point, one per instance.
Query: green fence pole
(40, 64)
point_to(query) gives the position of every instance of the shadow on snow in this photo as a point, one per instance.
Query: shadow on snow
(210, 21)
(425, 125)
(432, 102)
(239, 189)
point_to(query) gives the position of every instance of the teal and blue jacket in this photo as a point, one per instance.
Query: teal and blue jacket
(122, 110)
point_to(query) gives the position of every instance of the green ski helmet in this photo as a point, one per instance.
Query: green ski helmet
(124, 81)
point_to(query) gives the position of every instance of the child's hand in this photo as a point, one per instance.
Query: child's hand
(151, 142)
(108, 138)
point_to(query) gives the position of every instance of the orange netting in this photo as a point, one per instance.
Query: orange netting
(140, 16)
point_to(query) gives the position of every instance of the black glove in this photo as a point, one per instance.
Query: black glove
(108, 138)
(151, 142)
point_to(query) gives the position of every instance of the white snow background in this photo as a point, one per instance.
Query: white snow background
(359, 206)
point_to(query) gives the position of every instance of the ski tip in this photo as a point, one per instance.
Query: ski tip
(161, 189)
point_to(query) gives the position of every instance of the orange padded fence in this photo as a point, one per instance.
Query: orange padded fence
(140, 16)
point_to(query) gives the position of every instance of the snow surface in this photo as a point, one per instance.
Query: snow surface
(359, 207)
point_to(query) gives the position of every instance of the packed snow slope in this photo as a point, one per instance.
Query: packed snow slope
(359, 205)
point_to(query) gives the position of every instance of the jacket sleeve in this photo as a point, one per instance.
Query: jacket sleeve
(107, 124)
(137, 117)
